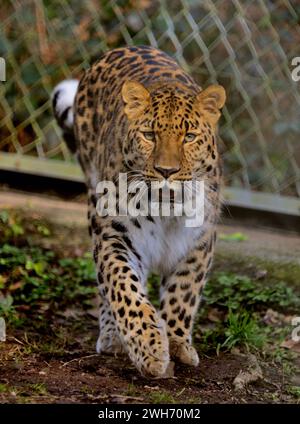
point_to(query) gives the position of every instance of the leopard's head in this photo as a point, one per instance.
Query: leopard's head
(171, 130)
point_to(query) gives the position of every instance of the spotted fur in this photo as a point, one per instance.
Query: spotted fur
(137, 111)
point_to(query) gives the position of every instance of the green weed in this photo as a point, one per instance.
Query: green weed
(161, 397)
(3, 388)
(38, 388)
(294, 391)
(37, 280)
(242, 330)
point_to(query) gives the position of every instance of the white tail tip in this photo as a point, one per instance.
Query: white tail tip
(63, 97)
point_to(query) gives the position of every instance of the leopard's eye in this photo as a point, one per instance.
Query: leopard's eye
(189, 137)
(149, 135)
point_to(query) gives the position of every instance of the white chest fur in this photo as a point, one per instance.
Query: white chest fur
(164, 242)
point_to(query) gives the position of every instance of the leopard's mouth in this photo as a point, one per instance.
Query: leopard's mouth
(167, 196)
(162, 191)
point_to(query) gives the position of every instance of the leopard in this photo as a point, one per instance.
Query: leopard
(136, 111)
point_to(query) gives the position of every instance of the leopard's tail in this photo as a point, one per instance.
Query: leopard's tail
(63, 98)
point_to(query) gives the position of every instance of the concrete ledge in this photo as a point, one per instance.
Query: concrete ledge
(266, 244)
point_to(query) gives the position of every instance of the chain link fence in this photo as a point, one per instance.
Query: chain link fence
(245, 45)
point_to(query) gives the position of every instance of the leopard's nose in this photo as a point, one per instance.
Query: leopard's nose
(166, 171)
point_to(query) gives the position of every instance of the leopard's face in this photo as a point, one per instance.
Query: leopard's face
(171, 131)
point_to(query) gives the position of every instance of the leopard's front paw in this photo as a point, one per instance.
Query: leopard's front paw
(149, 349)
(184, 352)
(109, 343)
(155, 353)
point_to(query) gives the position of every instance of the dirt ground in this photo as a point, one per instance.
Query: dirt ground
(81, 376)
(49, 357)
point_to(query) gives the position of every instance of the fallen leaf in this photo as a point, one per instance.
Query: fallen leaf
(15, 286)
(215, 315)
(71, 313)
(23, 308)
(124, 399)
(260, 274)
(291, 344)
(272, 317)
(151, 387)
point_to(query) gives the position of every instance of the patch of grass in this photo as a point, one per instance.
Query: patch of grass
(37, 281)
(161, 397)
(85, 389)
(17, 393)
(242, 330)
(287, 272)
(39, 389)
(235, 292)
(132, 390)
(242, 302)
(14, 226)
(53, 348)
(274, 397)
(3, 388)
(233, 237)
(43, 230)
(10, 226)
(294, 391)
(280, 355)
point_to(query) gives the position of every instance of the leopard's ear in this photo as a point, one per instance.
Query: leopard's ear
(211, 100)
(136, 98)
